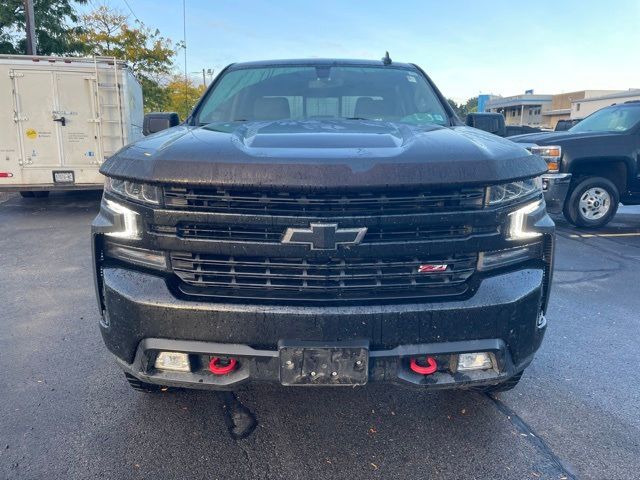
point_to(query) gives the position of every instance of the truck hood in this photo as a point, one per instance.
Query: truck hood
(322, 154)
(557, 138)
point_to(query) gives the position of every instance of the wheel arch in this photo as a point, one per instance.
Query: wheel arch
(615, 169)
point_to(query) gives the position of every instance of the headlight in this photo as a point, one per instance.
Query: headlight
(550, 154)
(518, 221)
(138, 192)
(513, 191)
(129, 221)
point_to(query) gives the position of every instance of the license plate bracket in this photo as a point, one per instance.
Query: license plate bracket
(328, 364)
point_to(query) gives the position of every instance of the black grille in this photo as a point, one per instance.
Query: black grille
(322, 203)
(329, 280)
(273, 234)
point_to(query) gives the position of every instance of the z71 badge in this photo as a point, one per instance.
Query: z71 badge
(433, 268)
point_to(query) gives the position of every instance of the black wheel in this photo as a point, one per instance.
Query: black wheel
(41, 194)
(504, 386)
(592, 203)
(27, 194)
(140, 386)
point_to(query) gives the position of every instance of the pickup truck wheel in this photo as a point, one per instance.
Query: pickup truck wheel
(504, 386)
(140, 386)
(592, 203)
(26, 194)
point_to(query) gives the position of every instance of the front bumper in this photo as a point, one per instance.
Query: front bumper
(143, 317)
(555, 187)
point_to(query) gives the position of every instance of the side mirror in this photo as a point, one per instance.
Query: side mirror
(489, 122)
(158, 121)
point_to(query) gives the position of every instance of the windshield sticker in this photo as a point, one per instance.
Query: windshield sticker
(411, 78)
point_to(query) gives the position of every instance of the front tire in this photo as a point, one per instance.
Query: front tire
(592, 203)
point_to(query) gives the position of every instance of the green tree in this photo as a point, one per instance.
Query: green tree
(471, 106)
(156, 96)
(182, 96)
(456, 108)
(55, 27)
(462, 109)
(107, 32)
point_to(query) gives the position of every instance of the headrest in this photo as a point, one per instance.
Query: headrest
(367, 107)
(271, 108)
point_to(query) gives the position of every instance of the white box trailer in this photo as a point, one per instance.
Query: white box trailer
(61, 117)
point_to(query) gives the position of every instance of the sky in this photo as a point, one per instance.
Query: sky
(466, 47)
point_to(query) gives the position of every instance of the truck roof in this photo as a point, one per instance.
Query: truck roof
(320, 61)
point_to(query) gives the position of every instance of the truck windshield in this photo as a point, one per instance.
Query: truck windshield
(612, 119)
(322, 92)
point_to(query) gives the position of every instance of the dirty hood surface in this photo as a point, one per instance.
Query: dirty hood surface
(322, 154)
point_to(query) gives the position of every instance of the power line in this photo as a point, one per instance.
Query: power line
(131, 10)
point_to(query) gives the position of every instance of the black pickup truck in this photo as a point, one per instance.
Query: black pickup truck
(593, 166)
(322, 222)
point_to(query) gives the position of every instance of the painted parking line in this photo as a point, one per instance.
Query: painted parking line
(591, 235)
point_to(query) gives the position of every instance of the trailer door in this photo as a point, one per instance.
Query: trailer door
(34, 107)
(79, 131)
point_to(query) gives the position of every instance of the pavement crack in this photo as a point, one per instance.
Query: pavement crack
(587, 277)
(533, 437)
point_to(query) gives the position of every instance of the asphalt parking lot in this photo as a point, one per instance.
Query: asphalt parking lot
(67, 412)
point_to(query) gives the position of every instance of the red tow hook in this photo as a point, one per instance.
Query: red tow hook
(427, 369)
(217, 368)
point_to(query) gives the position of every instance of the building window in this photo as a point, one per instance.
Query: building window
(577, 107)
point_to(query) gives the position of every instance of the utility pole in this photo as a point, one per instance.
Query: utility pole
(32, 48)
(205, 72)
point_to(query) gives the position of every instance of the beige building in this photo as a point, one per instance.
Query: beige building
(524, 109)
(561, 105)
(584, 107)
